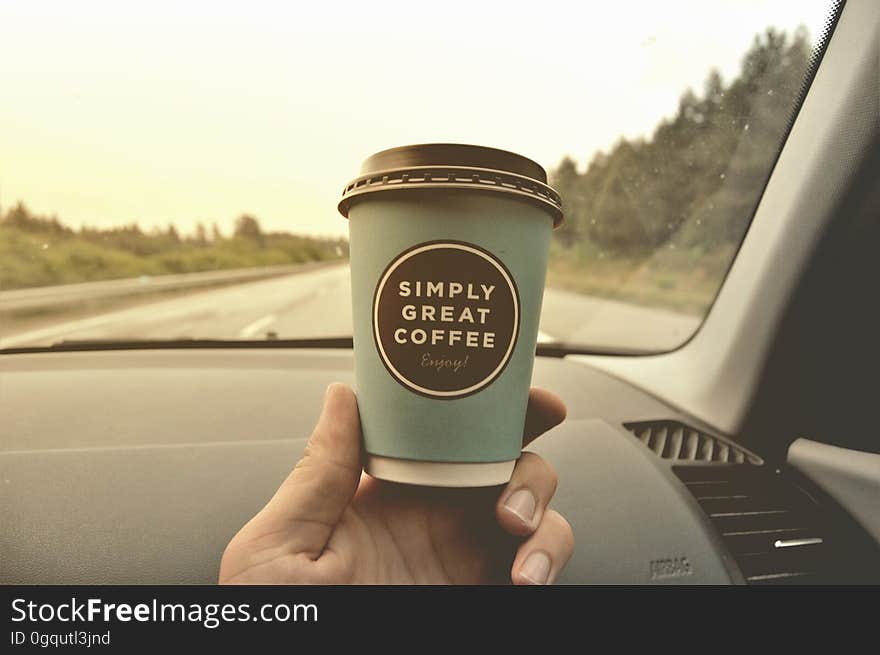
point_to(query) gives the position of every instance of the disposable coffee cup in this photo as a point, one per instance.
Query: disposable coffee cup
(449, 249)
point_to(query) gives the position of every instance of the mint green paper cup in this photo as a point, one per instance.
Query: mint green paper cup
(449, 249)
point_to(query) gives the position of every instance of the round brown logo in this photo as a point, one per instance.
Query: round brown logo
(445, 318)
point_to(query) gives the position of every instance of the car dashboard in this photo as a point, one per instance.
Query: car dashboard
(138, 466)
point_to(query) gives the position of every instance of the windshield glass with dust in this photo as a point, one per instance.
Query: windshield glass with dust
(169, 171)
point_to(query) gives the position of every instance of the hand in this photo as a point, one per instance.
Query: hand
(329, 523)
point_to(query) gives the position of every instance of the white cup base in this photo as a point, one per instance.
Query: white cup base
(439, 474)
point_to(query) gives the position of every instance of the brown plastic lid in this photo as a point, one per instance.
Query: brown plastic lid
(451, 165)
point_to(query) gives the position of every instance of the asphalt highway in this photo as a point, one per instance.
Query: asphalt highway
(316, 303)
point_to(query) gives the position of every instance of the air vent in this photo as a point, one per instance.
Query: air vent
(777, 532)
(674, 440)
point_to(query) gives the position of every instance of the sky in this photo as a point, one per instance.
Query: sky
(178, 112)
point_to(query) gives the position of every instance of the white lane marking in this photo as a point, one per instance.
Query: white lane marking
(62, 329)
(151, 312)
(256, 326)
(163, 310)
(543, 337)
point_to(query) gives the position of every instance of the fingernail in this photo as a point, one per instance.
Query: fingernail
(325, 405)
(536, 568)
(522, 503)
(329, 390)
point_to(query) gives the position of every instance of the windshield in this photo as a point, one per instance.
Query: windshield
(168, 173)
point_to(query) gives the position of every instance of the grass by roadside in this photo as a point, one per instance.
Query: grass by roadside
(685, 282)
(39, 251)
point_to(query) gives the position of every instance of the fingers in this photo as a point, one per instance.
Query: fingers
(523, 510)
(524, 500)
(313, 497)
(545, 410)
(542, 556)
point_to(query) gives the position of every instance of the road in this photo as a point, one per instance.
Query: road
(316, 303)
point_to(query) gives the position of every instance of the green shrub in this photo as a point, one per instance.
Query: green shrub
(39, 251)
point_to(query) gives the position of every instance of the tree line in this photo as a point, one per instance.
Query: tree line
(694, 182)
(40, 250)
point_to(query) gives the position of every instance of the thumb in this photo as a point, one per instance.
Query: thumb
(311, 500)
